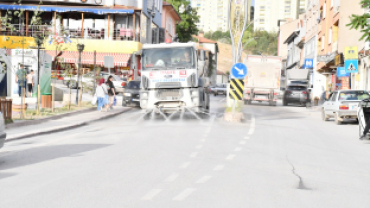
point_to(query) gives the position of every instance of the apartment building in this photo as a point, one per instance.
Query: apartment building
(333, 37)
(214, 13)
(106, 28)
(267, 13)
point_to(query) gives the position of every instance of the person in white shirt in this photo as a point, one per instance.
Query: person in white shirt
(29, 78)
(102, 95)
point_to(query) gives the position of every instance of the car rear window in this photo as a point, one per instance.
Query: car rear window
(134, 85)
(297, 88)
(353, 95)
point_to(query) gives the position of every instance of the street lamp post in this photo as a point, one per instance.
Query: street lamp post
(80, 48)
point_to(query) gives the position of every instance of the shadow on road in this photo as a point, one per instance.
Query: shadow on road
(45, 153)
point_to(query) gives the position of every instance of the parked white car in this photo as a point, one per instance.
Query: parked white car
(343, 104)
(88, 79)
(2, 131)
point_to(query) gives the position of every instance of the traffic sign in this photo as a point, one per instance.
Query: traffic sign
(236, 89)
(351, 66)
(308, 63)
(351, 53)
(239, 71)
(341, 72)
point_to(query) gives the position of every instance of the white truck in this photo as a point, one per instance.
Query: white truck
(262, 82)
(173, 78)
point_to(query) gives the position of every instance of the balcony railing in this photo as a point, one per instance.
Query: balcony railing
(86, 33)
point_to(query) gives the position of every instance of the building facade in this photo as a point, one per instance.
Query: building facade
(110, 28)
(170, 18)
(267, 13)
(214, 14)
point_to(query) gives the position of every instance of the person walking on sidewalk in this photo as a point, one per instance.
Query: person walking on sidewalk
(102, 95)
(30, 83)
(111, 91)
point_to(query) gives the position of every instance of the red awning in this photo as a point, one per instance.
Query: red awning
(120, 59)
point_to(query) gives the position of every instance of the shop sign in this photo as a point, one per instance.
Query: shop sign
(20, 52)
(339, 60)
(326, 58)
(351, 53)
(341, 72)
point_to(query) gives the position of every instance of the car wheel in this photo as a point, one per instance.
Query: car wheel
(337, 121)
(73, 85)
(324, 117)
(215, 94)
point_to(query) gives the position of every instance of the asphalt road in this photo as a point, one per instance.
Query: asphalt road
(280, 157)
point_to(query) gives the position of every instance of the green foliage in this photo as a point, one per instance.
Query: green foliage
(256, 42)
(361, 22)
(187, 27)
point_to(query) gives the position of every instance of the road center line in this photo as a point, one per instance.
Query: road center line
(253, 125)
(199, 146)
(184, 165)
(230, 157)
(204, 179)
(184, 194)
(172, 177)
(151, 194)
(238, 149)
(194, 154)
(242, 142)
(219, 167)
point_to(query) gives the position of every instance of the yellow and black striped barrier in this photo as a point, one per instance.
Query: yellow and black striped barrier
(236, 89)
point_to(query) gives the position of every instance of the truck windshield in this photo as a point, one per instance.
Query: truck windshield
(168, 58)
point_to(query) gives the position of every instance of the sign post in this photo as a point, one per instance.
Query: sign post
(238, 73)
(109, 62)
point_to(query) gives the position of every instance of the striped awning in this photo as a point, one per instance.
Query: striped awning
(120, 59)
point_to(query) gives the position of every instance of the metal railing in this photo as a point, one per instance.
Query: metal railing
(86, 33)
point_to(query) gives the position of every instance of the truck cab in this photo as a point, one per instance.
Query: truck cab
(173, 78)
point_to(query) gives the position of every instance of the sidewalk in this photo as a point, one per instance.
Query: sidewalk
(69, 122)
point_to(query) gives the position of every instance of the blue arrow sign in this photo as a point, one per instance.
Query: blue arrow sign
(239, 71)
(351, 66)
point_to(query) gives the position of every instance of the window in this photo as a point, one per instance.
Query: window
(330, 35)
(323, 42)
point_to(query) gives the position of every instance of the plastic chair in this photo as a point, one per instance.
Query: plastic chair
(122, 33)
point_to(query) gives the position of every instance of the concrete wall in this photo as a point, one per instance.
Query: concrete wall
(285, 30)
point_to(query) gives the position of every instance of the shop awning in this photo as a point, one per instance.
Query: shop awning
(57, 8)
(120, 59)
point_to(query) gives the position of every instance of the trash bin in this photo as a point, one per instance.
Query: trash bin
(46, 100)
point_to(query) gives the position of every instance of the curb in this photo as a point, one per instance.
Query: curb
(67, 127)
(43, 120)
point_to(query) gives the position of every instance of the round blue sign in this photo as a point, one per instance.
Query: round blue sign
(239, 71)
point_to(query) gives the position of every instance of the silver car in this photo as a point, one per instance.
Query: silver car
(2, 131)
(342, 104)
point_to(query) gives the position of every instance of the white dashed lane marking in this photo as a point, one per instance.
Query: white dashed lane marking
(172, 177)
(199, 146)
(242, 142)
(203, 140)
(204, 179)
(246, 137)
(230, 157)
(185, 165)
(238, 149)
(184, 194)
(219, 167)
(194, 154)
(151, 194)
(253, 125)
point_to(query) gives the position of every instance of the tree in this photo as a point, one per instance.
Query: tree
(189, 17)
(361, 22)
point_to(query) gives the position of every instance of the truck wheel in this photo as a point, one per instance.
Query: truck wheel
(245, 102)
(324, 117)
(337, 121)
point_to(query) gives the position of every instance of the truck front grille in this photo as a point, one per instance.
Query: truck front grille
(169, 94)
